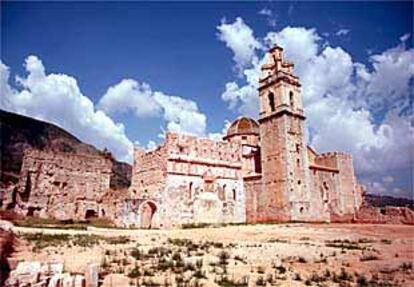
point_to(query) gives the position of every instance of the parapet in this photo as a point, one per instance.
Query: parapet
(85, 162)
(179, 145)
(335, 154)
(333, 159)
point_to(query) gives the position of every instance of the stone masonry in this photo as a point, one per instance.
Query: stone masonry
(260, 172)
(62, 186)
(186, 180)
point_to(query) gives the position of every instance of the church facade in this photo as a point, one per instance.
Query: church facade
(260, 172)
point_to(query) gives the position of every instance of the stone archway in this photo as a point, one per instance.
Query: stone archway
(147, 211)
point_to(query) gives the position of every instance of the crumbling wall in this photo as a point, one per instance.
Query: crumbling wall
(186, 180)
(61, 185)
(387, 215)
(112, 204)
(253, 189)
(204, 183)
(348, 195)
(325, 189)
(149, 172)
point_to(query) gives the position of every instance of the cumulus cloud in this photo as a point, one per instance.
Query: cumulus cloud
(130, 95)
(240, 39)
(243, 99)
(181, 115)
(350, 106)
(56, 98)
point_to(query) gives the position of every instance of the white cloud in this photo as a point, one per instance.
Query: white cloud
(265, 12)
(342, 32)
(349, 106)
(388, 85)
(130, 95)
(244, 98)
(181, 115)
(56, 98)
(240, 39)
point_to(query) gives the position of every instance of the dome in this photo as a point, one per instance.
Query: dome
(243, 126)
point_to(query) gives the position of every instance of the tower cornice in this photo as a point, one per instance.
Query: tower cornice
(279, 77)
(280, 113)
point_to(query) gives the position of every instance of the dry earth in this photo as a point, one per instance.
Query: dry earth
(255, 255)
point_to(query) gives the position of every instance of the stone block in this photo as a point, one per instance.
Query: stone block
(78, 280)
(91, 275)
(29, 267)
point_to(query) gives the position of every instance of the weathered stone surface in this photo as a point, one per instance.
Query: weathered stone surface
(34, 273)
(28, 267)
(259, 173)
(78, 280)
(6, 225)
(61, 185)
(91, 275)
(187, 180)
(388, 215)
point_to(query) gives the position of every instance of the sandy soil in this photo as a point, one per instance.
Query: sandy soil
(381, 253)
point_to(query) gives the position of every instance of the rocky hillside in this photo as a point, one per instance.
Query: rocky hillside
(19, 133)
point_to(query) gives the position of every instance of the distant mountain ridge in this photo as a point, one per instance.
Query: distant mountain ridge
(19, 132)
(385, 200)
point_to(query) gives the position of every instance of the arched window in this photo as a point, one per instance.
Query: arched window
(234, 194)
(291, 99)
(271, 101)
(190, 190)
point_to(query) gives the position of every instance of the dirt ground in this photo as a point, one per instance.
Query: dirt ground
(245, 255)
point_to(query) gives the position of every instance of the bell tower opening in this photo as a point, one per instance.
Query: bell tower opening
(291, 102)
(271, 97)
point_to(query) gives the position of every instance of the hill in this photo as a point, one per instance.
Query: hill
(385, 200)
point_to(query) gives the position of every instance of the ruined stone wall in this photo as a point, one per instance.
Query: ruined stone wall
(253, 189)
(61, 185)
(214, 153)
(204, 182)
(387, 215)
(348, 192)
(325, 189)
(250, 143)
(113, 204)
(149, 172)
(187, 180)
(194, 199)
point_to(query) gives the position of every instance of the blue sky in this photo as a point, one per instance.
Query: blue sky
(189, 50)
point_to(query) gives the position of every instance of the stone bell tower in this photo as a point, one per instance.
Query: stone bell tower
(286, 194)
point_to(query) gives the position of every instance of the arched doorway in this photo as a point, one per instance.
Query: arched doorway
(90, 213)
(147, 211)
